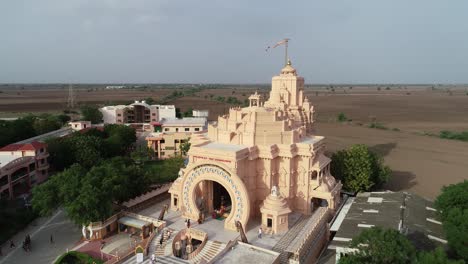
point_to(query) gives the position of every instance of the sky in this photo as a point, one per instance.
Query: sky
(220, 41)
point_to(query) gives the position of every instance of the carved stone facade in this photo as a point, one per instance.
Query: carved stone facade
(253, 149)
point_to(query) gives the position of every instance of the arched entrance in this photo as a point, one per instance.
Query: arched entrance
(213, 200)
(315, 203)
(221, 177)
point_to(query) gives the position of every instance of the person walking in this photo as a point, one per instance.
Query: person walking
(188, 223)
(161, 240)
(12, 244)
(153, 258)
(51, 239)
(260, 231)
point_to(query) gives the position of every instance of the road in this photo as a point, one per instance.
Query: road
(66, 235)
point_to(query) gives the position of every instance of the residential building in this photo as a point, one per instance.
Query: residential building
(141, 114)
(171, 133)
(79, 125)
(21, 167)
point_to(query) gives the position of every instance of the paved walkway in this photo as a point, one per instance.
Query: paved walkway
(65, 234)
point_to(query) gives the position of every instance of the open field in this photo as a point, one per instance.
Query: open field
(421, 163)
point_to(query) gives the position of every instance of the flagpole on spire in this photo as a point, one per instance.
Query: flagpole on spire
(285, 42)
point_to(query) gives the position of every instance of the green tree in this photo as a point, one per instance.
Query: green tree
(452, 196)
(341, 117)
(87, 150)
(456, 230)
(42, 126)
(185, 147)
(149, 100)
(359, 168)
(377, 245)
(91, 113)
(141, 155)
(61, 153)
(45, 197)
(438, 256)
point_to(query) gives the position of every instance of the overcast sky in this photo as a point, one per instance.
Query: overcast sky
(185, 41)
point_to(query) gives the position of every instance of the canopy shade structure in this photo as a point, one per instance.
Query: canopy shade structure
(133, 222)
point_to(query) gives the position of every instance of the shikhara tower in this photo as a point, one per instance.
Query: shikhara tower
(264, 159)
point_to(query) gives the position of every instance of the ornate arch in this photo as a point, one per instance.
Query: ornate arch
(229, 180)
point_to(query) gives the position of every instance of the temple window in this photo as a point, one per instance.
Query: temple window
(314, 175)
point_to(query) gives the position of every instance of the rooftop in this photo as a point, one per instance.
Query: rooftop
(185, 120)
(224, 147)
(24, 146)
(247, 254)
(5, 159)
(413, 215)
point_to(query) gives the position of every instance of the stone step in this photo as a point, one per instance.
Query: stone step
(170, 260)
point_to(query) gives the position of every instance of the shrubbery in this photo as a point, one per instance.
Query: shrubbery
(74, 257)
(359, 169)
(29, 126)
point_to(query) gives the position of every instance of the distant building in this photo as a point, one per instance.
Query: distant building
(137, 113)
(79, 125)
(171, 133)
(412, 215)
(200, 113)
(21, 167)
(110, 87)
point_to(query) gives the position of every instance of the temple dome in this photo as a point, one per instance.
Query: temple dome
(288, 69)
(276, 203)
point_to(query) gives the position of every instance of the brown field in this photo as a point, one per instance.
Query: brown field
(420, 163)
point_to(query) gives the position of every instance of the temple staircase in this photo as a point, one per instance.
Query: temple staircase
(286, 240)
(209, 251)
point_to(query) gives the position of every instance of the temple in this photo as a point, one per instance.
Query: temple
(259, 162)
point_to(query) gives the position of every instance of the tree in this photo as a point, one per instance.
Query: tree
(141, 155)
(377, 245)
(456, 230)
(149, 100)
(437, 256)
(452, 196)
(91, 113)
(87, 150)
(185, 147)
(359, 168)
(61, 154)
(88, 195)
(42, 126)
(45, 197)
(342, 117)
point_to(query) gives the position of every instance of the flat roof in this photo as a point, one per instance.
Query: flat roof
(185, 120)
(223, 147)
(247, 254)
(133, 222)
(5, 159)
(310, 140)
(387, 209)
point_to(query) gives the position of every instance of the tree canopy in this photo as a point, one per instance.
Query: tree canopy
(89, 195)
(29, 126)
(91, 147)
(377, 245)
(452, 205)
(359, 168)
(91, 113)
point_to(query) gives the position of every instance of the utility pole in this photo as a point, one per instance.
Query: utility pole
(71, 97)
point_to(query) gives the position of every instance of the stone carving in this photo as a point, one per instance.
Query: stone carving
(274, 191)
